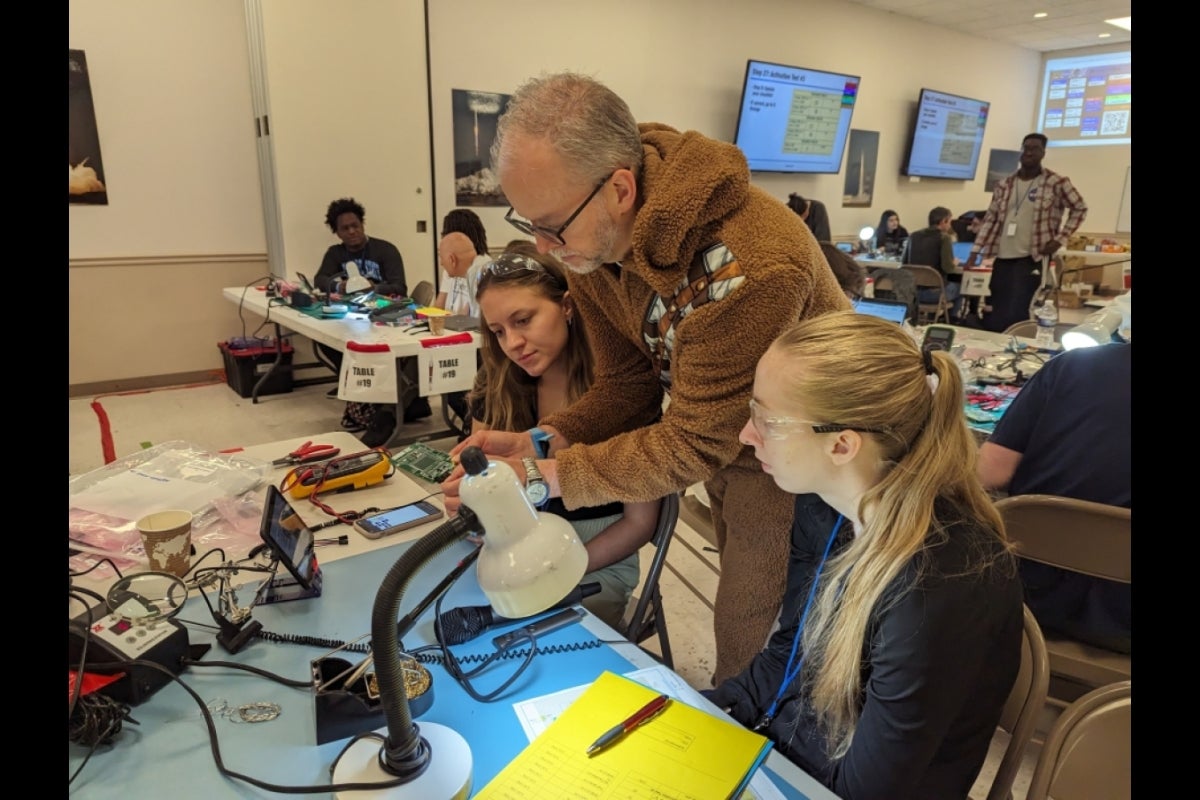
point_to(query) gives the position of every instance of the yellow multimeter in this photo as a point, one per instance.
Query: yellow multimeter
(357, 471)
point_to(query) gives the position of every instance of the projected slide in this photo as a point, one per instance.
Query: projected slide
(1086, 100)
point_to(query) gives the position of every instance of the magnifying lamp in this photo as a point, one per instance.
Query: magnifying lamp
(530, 560)
(1096, 329)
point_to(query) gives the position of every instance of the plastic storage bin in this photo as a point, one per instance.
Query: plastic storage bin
(247, 362)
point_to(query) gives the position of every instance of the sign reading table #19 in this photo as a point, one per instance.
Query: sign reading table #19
(445, 369)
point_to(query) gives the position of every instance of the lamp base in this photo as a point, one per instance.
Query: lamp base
(448, 775)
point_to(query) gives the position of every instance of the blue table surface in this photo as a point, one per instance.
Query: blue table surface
(169, 753)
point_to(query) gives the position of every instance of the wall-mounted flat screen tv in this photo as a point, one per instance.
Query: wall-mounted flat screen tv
(794, 119)
(947, 136)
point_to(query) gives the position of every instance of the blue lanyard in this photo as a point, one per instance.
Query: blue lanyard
(790, 672)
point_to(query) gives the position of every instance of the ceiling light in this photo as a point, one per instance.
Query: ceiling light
(1040, 15)
(1104, 35)
(1125, 23)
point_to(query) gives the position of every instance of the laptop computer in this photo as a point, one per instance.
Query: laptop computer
(892, 310)
(462, 322)
(962, 250)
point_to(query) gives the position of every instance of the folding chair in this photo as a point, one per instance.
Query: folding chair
(1025, 702)
(929, 278)
(423, 293)
(1088, 753)
(648, 618)
(1080, 536)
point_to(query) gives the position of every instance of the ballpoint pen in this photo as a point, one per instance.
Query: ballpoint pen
(640, 717)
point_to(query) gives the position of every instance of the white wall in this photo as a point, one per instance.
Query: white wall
(171, 89)
(171, 85)
(681, 62)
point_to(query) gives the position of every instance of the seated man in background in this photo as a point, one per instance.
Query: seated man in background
(1069, 433)
(462, 253)
(380, 263)
(934, 247)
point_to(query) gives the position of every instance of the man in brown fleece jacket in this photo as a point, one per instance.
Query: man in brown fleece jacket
(638, 213)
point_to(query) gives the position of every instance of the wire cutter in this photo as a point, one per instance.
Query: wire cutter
(306, 454)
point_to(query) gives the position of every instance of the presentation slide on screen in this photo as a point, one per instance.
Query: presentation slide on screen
(795, 120)
(1086, 100)
(948, 136)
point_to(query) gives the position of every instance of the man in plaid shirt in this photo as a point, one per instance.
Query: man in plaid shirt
(1025, 223)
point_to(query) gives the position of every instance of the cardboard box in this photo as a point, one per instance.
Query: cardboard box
(1069, 300)
(246, 363)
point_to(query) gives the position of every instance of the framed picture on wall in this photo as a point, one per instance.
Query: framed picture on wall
(85, 169)
(475, 117)
(1001, 164)
(862, 155)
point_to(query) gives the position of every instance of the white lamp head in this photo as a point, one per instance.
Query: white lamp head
(1096, 329)
(530, 560)
(866, 233)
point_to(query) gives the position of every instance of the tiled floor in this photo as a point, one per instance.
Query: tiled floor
(213, 417)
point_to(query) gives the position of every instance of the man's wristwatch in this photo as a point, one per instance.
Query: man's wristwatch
(536, 488)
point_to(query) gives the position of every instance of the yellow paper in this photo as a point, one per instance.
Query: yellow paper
(681, 754)
(432, 311)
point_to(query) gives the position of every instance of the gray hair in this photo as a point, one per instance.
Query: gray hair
(590, 127)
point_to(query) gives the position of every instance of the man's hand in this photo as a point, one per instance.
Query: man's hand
(1051, 247)
(972, 259)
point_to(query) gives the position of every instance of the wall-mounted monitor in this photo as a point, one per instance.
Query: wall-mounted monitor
(1087, 100)
(794, 119)
(947, 136)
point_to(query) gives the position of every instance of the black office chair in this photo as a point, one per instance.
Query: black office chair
(648, 618)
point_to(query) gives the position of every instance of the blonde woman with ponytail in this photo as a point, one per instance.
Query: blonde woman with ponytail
(900, 633)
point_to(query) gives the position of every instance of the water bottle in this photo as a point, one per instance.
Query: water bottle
(1047, 320)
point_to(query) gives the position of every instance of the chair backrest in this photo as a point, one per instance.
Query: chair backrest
(1088, 752)
(423, 293)
(648, 618)
(1025, 702)
(929, 278)
(1088, 538)
(1027, 328)
(896, 284)
(1078, 535)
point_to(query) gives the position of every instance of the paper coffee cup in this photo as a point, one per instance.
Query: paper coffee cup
(167, 539)
(437, 325)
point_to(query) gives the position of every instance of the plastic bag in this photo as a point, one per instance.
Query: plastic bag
(104, 504)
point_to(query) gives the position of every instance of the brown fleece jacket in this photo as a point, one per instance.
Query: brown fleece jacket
(695, 192)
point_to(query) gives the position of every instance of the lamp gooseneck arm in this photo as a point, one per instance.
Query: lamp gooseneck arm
(405, 754)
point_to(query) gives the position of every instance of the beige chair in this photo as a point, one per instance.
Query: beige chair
(1089, 538)
(423, 293)
(1088, 752)
(929, 278)
(1024, 705)
(647, 618)
(1028, 329)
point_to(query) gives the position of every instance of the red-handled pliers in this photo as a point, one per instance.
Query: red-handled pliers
(306, 454)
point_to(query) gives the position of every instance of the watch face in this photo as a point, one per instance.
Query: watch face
(537, 492)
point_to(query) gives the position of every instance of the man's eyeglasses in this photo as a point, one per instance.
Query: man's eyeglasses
(508, 263)
(774, 427)
(553, 234)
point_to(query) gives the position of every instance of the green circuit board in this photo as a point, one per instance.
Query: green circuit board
(424, 461)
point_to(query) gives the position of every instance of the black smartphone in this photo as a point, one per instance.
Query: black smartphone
(398, 519)
(289, 538)
(937, 338)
